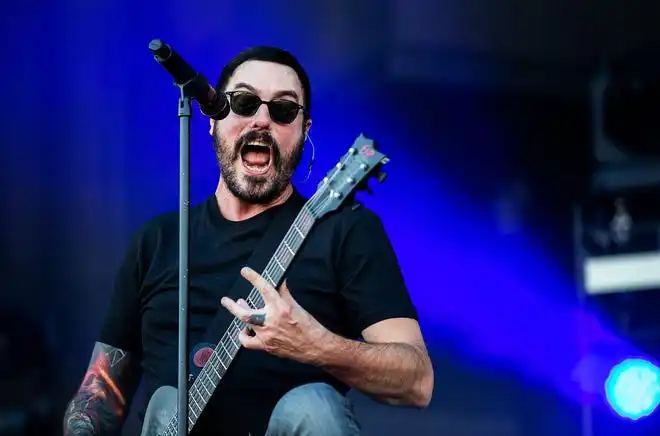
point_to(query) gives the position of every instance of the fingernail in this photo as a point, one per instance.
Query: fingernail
(246, 270)
(223, 301)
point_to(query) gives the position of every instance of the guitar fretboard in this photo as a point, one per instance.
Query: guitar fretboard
(218, 363)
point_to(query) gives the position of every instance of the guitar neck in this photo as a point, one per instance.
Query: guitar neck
(351, 173)
(217, 365)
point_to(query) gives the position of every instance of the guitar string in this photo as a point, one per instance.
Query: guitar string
(236, 326)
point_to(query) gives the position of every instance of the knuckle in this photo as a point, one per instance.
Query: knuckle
(285, 308)
(269, 345)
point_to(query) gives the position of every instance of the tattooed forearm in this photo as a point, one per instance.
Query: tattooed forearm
(99, 406)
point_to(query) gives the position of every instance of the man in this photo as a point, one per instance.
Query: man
(292, 375)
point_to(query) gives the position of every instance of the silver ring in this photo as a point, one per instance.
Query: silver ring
(257, 319)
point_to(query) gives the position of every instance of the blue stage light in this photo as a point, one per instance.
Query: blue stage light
(633, 388)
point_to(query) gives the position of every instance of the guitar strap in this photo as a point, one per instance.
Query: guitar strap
(258, 260)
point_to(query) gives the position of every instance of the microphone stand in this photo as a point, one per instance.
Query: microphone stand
(185, 115)
(191, 85)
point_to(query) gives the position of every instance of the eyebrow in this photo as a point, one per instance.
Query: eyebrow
(278, 94)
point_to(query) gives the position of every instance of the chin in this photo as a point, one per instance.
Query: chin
(255, 189)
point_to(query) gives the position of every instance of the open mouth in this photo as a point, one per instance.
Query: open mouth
(256, 157)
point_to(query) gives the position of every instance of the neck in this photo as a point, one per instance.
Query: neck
(235, 209)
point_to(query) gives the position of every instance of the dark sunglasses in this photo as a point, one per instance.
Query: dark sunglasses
(246, 104)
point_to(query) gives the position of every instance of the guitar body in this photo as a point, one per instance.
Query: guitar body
(161, 410)
(351, 173)
(161, 413)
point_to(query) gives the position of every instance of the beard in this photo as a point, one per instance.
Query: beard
(250, 188)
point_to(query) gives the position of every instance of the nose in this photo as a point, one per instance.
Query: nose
(261, 118)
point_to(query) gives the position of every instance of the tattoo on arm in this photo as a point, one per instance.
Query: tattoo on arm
(100, 405)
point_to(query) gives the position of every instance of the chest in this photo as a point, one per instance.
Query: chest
(214, 265)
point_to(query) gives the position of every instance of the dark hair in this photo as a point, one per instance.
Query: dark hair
(268, 54)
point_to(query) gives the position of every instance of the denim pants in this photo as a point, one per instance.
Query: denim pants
(314, 409)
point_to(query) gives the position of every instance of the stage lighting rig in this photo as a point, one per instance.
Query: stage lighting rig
(617, 224)
(617, 247)
(619, 242)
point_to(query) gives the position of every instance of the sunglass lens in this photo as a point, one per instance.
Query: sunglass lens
(283, 111)
(245, 103)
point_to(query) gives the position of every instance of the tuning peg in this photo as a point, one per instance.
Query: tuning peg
(381, 177)
(368, 189)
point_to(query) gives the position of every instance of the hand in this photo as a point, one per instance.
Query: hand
(288, 330)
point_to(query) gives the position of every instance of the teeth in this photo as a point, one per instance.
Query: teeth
(257, 169)
(259, 144)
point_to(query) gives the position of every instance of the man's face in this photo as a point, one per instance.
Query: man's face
(258, 156)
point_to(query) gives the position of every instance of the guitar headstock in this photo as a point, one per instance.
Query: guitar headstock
(351, 174)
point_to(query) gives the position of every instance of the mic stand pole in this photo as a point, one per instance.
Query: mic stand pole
(184, 114)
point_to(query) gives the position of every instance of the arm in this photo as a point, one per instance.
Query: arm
(101, 403)
(392, 365)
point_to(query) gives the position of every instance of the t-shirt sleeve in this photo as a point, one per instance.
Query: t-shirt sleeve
(371, 280)
(121, 327)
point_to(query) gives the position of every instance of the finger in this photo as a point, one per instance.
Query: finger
(236, 309)
(265, 289)
(257, 319)
(251, 342)
(285, 293)
(241, 302)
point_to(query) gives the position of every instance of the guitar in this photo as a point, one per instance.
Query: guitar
(351, 174)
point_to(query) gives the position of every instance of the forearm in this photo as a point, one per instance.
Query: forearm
(91, 415)
(101, 403)
(395, 373)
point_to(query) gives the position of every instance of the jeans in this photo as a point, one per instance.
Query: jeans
(313, 409)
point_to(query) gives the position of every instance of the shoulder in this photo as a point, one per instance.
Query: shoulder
(356, 228)
(355, 217)
(150, 231)
(162, 227)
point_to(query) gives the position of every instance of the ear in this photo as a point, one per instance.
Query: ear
(308, 125)
(212, 124)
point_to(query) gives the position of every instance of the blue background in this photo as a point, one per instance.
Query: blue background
(488, 153)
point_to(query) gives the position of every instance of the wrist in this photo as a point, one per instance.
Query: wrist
(79, 423)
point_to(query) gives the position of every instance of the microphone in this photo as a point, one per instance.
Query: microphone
(212, 104)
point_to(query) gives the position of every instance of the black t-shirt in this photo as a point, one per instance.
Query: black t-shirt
(346, 275)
